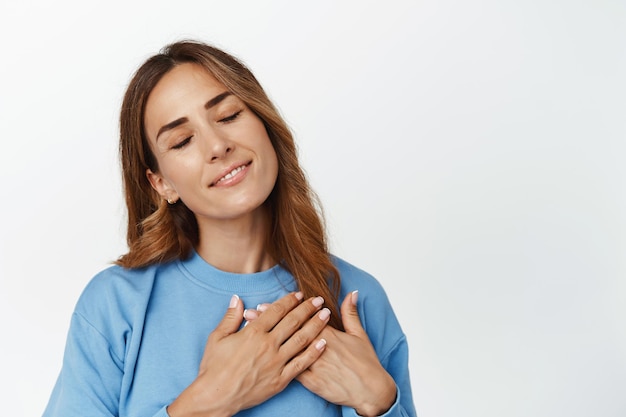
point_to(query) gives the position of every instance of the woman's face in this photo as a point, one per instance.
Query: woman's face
(213, 151)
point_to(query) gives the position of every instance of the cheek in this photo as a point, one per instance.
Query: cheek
(179, 171)
(273, 163)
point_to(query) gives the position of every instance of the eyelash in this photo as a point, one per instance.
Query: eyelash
(226, 119)
(182, 143)
(230, 118)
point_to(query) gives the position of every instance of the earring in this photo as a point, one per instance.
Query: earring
(170, 201)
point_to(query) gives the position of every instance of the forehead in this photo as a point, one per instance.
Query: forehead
(185, 79)
(178, 92)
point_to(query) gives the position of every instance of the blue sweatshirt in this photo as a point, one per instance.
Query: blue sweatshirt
(137, 336)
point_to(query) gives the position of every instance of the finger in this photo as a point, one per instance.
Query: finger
(293, 321)
(277, 311)
(302, 362)
(350, 314)
(302, 338)
(231, 321)
(250, 314)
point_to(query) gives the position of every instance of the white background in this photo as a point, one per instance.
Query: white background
(470, 154)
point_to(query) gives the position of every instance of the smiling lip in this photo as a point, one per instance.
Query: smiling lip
(231, 175)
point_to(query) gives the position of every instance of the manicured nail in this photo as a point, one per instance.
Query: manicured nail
(234, 300)
(299, 295)
(318, 301)
(250, 314)
(320, 344)
(324, 314)
(355, 297)
(261, 307)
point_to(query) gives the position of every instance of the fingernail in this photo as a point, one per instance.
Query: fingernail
(355, 297)
(261, 307)
(299, 295)
(250, 314)
(320, 344)
(318, 301)
(324, 314)
(233, 301)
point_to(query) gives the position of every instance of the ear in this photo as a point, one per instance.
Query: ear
(162, 186)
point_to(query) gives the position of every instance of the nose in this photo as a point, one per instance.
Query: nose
(217, 146)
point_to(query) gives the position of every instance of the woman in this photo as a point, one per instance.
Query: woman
(225, 242)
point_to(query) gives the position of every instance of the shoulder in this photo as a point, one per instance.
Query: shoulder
(354, 278)
(116, 281)
(375, 310)
(117, 295)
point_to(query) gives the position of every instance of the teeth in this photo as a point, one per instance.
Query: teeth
(231, 174)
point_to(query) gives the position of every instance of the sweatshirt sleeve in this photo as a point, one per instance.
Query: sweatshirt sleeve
(91, 375)
(90, 380)
(396, 363)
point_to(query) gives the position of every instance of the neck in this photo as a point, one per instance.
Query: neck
(237, 245)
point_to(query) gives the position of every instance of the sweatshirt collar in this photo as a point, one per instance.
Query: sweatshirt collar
(199, 270)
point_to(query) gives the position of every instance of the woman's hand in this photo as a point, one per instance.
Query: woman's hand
(349, 372)
(243, 368)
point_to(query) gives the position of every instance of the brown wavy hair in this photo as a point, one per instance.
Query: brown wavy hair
(161, 232)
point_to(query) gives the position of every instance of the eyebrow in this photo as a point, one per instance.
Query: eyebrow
(211, 103)
(216, 100)
(171, 125)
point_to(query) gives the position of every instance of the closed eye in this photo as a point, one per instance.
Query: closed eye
(182, 143)
(231, 117)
